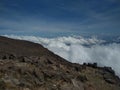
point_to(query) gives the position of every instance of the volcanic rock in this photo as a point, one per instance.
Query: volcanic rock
(29, 66)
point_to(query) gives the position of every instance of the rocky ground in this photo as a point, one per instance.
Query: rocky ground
(29, 66)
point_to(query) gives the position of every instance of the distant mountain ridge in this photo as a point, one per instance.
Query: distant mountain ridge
(29, 66)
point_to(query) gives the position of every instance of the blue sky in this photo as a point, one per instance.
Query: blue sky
(60, 17)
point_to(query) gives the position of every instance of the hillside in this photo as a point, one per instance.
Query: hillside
(29, 66)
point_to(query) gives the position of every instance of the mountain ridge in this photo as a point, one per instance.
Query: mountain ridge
(29, 66)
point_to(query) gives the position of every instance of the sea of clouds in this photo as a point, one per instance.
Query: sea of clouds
(79, 49)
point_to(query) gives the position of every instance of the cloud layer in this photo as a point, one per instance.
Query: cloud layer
(80, 50)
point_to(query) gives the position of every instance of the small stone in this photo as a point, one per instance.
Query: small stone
(111, 81)
(4, 57)
(109, 69)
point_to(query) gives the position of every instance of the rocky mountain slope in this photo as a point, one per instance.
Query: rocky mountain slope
(29, 66)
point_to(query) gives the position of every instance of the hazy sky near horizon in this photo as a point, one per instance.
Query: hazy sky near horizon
(36, 17)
